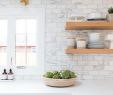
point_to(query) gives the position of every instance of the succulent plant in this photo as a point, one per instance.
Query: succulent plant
(72, 75)
(48, 75)
(63, 74)
(110, 10)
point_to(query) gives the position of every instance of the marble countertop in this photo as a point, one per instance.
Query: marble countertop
(83, 87)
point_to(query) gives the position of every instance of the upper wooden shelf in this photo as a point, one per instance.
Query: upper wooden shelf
(89, 51)
(89, 25)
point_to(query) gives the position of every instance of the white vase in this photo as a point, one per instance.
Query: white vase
(110, 17)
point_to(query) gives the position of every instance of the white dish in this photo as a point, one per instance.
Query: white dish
(94, 15)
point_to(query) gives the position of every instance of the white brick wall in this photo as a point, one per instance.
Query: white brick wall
(57, 12)
(86, 66)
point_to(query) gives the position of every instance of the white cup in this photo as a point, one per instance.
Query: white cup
(81, 44)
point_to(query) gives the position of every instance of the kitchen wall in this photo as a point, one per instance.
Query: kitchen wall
(57, 12)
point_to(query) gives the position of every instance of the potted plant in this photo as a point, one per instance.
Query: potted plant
(61, 78)
(110, 14)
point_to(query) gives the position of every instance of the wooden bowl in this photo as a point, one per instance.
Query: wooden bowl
(59, 82)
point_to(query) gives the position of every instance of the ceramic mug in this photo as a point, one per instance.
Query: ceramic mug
(81, 44)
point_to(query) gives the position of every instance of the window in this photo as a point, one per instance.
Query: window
(26, 42)
(3, 41)
(22, 39)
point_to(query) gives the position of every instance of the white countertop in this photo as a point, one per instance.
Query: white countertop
(84, 87)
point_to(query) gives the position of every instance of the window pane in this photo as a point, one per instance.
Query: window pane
(31, 24)
(3, 42)
(20, 42)
(26, 42)
(31, 56)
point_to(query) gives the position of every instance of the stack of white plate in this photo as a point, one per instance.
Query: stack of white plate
(98, 45)
(95, 41)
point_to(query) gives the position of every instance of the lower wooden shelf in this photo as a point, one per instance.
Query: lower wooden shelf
(88, 51)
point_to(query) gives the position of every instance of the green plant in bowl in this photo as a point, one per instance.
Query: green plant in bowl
(110, 10)
(63, 78)
(63, 74)
(48, 75)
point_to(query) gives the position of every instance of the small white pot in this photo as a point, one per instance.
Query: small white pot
(81, 44)
(110, 17)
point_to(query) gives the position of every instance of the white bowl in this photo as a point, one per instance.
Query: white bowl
(59, 82)
(94, 15)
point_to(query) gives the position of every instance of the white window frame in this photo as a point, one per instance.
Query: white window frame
(13, 13)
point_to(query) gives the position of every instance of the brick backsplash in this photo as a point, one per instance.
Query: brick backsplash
(57, 12)
(86, 66)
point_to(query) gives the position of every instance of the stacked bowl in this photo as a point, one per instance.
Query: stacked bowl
(94, 41)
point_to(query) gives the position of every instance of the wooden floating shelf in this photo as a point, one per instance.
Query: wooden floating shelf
(89, 25)
(89, 51)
